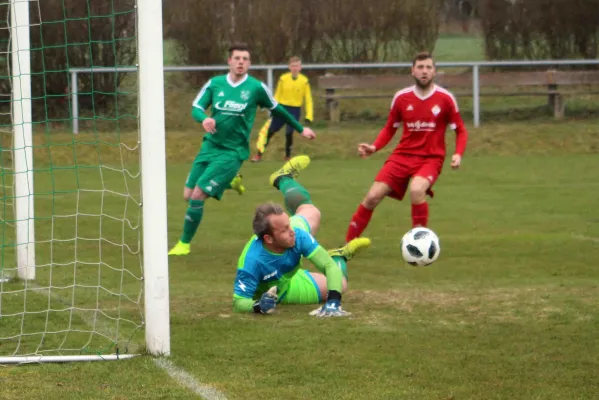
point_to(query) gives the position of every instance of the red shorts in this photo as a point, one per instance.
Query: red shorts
(399, 169)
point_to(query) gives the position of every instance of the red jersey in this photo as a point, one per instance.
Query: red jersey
(425, 120)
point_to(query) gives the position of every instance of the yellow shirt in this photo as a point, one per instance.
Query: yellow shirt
(293, 92)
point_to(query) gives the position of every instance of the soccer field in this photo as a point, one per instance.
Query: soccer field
(509, 311)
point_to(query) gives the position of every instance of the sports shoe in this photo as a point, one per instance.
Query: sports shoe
(257, 158)
(180, 249)
(236, 184)
(291, 168)
(351, 248)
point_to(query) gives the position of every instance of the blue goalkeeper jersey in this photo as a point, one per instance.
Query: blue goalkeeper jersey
(258, 269)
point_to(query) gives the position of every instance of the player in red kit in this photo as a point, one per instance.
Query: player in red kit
(425, 110)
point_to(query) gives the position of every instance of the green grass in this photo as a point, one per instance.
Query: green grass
(509, 311)
(459, 48)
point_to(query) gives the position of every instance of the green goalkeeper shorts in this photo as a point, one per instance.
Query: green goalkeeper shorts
(302, 287)
(214, 176)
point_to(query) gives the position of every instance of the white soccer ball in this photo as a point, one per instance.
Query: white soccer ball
(420, 247)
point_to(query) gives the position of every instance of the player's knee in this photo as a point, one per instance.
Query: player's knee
(198, 194)
(187, 194)
(418, 190)
(372, 200)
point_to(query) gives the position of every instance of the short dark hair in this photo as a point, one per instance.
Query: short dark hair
(238, 46)
(423, 55)
(261, 224)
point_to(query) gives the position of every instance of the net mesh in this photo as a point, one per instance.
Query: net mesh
(87, 292)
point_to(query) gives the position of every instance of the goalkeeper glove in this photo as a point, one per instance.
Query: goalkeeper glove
(267, 303)
(332, 307)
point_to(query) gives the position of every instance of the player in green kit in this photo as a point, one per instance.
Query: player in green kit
(234, 99)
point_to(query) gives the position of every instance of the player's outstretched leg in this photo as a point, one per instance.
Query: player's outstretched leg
(294, 193)
(343, 254)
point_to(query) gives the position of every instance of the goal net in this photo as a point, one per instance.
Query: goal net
(83, 265)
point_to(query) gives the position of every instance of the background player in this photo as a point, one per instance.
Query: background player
(425, 110)
(292, 89)
(234, 98)
(269, 268)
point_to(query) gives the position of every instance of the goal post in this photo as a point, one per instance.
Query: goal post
(84, 256)
(22, 137)
(153, 154)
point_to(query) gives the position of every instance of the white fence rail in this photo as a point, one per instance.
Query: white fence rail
(270, 68)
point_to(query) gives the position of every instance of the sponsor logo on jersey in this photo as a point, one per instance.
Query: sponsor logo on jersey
(221, 94)
(421, 126)
(267, 277)
(231, 105)
(245, 95)
(410, 108)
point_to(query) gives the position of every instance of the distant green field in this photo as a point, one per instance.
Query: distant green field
(459, 48)
(509, 311)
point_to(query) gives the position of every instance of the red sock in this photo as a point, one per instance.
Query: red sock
(358, 223)
(419, 214)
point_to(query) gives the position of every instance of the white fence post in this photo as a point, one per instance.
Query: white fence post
(475, 95)
(270, 79)
(75, 102)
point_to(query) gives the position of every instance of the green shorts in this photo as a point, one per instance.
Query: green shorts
(214, 176)
(302, 286)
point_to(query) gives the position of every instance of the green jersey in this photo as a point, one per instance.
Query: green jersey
(234, 110)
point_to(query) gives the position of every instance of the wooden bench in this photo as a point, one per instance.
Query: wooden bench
(551, 83)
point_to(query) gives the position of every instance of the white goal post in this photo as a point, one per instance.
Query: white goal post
(153, 155)
(154, 282)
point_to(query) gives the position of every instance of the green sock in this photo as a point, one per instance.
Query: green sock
(340, 261)
(294, 193)
(193, 217)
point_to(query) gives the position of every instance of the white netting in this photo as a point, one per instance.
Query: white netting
(87, 292)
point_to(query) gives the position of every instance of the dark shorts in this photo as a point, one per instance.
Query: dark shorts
(278, 122)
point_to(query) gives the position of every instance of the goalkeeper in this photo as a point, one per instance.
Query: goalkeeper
(269, 269)
(234, 98)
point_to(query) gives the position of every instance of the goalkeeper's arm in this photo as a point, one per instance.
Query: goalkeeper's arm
(244, 291)
(265, 305)
(325, 264)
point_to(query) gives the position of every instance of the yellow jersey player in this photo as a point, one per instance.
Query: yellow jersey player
(292, 90)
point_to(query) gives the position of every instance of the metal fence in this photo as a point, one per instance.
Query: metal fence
(270, 68)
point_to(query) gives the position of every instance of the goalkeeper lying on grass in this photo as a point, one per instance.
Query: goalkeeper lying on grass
(269, 270)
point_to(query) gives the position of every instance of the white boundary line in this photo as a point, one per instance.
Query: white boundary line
(185, 379)
(178, 374)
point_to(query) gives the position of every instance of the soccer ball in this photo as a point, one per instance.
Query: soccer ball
(420, 247)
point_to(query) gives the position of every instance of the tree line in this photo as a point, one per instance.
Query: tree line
(75, 33)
